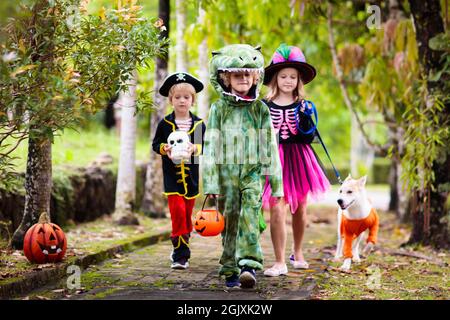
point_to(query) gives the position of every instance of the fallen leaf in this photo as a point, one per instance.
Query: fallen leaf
(58, 290)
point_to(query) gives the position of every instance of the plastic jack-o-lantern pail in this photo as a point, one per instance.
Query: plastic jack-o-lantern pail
(209, 223)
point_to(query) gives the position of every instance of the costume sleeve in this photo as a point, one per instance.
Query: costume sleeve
(305, 122)
(158, 140)
(200, 146)
(272, 165)
(210, 167)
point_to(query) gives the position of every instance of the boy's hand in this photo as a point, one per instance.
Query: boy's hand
(168, 149)
(191, 148)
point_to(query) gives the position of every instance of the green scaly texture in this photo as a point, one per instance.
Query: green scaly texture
(240, 150)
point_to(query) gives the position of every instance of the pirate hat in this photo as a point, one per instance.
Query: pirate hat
(179, 77)
(289, 57)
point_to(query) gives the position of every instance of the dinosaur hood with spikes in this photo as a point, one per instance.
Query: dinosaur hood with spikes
(237, 58)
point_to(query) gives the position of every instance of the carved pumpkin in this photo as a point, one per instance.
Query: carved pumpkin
(44, 242)
(209, 223)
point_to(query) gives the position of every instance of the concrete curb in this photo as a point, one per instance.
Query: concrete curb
(38, 278)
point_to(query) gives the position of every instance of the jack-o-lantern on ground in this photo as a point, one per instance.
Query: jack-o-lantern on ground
(209, 223)
(44, 242)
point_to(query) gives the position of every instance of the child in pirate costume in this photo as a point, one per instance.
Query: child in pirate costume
(180, 177)
(240, 148)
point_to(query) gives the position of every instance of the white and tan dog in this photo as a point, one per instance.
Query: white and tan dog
(356, 215)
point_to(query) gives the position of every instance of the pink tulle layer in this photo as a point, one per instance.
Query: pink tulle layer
(302, 177)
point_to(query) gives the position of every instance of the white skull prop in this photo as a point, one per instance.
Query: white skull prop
(179, 143)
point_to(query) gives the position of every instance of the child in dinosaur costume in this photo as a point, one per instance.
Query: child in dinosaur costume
(240, 150)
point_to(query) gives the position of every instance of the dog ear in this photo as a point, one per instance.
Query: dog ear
(349, 177)
(362, 181)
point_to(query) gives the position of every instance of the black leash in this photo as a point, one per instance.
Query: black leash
(326, 151)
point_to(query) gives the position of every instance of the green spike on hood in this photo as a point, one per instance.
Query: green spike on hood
(232, 58)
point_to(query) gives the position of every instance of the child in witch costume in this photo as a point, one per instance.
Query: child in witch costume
(240, 148)
(180, 178)
(302, 174)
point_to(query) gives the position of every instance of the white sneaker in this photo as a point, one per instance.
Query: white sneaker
(182, 264)
(275, 272)
(298, 264)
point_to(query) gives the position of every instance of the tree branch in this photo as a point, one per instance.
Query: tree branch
(378, 148)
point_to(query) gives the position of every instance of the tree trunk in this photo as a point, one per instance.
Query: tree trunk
(153, 203)
(430, 225)
(181, 63)
(203, 73)
(403, 197)
(126, 176)
(109, 121)
(38, 186)
(393, 202)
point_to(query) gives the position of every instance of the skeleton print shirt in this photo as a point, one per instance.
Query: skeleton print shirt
(284, 120)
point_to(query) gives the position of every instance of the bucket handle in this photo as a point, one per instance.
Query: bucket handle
(217, 206)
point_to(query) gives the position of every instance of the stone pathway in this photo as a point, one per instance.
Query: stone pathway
(146, 273)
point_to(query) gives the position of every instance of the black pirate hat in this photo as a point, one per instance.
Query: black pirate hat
(179, 77)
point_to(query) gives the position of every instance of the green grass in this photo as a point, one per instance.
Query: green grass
(80, 148)
(397, 277)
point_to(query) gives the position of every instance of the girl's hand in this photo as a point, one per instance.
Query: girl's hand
(278, 200)
(213, 196)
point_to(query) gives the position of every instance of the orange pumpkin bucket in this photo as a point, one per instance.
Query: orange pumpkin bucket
(209, 223)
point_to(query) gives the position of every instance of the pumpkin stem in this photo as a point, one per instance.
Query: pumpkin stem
(44, 218)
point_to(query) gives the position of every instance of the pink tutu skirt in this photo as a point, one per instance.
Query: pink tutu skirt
(302, 176)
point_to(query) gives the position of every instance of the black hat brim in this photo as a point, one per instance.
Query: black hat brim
(173, 80)
(307, 71)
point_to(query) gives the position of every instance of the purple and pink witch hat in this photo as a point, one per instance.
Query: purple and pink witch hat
(289, 57)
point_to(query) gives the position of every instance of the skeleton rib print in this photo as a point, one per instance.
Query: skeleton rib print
(284, 122)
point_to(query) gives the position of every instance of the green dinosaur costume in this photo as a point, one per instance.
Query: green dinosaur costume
(240, 149)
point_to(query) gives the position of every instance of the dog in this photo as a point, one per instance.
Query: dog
(355, 215)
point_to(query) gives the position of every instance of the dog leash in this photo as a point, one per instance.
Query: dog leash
(326, 151)
(309, 110)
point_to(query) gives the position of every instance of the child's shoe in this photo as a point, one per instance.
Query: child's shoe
(232, 281)
(181, 263)
(275, 272)
(298, 264)
(247, 277)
